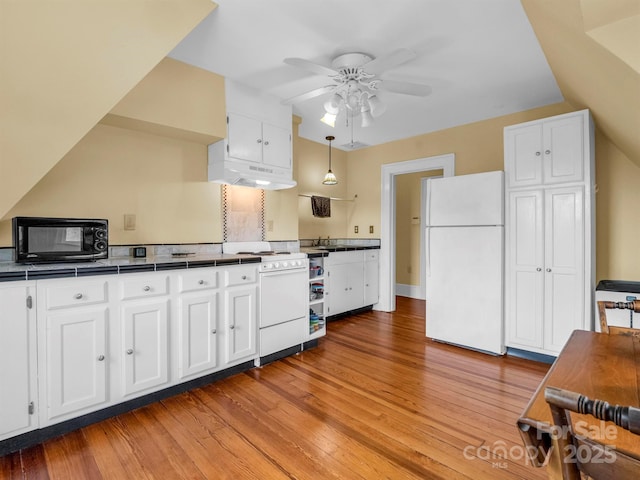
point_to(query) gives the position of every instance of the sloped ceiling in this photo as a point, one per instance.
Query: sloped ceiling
(65, 64)
(592, 48)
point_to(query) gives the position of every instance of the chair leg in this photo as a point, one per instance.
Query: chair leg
(604, 326)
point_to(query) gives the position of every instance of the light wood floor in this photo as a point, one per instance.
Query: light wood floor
(375, 400)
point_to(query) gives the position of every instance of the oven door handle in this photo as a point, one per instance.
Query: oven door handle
(274, 273)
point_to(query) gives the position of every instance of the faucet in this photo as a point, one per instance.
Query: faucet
(318, 242)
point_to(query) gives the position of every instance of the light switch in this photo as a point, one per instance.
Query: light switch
(355, 229)
(129, 221)
(370, 228)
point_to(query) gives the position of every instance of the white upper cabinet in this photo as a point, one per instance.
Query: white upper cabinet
(547, 152)
(258, 149)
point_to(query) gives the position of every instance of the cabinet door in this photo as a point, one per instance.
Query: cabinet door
(276, 146)
(371, 282)
(197, 332)
(144, 344)
(563, 150)
(76, 360)
(564, 265)
(356, 285)
(18, 359)
(241, 306)
(244, 138)
(523, 155)
(337, 294)
(525, 259)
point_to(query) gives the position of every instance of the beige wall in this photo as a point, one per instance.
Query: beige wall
(313, 163)
(65, 64)
(114, 171)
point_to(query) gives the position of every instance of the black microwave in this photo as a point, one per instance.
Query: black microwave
(51, 240)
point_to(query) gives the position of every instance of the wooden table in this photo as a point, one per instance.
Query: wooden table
(606, 367)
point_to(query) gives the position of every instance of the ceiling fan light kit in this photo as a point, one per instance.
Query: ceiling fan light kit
(356, 78)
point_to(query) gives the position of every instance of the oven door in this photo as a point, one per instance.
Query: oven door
(284, 296)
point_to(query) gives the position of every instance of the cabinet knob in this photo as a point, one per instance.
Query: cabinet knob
(146, 288)
(538, 269)
(548, 269)
(547, 152)
(244, 277)
(101, 358)
(537, 154)
(214, 331)
(200, 282)
(259, 140)
(130, 351)
(232, 327)
(266, 142)
(78, 296)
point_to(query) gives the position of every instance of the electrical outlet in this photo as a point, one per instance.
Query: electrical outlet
(370, 228)
(355, 229)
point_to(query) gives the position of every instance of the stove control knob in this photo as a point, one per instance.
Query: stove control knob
(276, 265)
(285, 264)
(299, 263)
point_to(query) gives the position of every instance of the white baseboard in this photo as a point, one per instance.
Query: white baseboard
(411, 291)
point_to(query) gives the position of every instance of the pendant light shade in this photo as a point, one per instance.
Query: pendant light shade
(330, 178)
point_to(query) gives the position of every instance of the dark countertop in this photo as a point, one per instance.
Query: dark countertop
(11, 271)
(323, 251)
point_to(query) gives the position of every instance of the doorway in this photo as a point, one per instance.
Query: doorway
(446, 163)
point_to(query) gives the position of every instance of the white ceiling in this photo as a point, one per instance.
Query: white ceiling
(480, 57)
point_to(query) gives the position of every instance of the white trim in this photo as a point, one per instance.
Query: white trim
(446, 162)
(411, 291)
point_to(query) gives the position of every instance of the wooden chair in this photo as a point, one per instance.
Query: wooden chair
(582, 454)
(606, 328)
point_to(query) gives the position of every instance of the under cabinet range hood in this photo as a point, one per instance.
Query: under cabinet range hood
(223, 169)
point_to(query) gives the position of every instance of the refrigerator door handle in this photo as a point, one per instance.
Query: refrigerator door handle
(428, 252)
(428, 206)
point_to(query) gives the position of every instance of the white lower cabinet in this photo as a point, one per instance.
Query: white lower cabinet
(241, 313)
(73, 318)
(196, 323)
(18, 357)
(70, 347)
(352, 281)
(371, 276)
(144, 346)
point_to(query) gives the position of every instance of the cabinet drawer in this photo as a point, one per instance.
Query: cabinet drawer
(371, 255)
(144, 286)
(201, 279)
(240, 276)
(76, 294)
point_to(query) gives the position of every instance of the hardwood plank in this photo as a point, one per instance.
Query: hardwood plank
(375, 399)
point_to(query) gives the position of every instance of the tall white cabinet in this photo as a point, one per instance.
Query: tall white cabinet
(550, 247)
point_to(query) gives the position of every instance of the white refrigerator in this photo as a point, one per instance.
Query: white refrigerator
(465, 261)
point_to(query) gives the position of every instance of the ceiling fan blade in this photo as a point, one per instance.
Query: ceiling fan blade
(310, 66)
(311, 94)
(386, 62)
(405, 88)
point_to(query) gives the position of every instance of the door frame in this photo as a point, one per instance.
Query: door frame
(387, 301)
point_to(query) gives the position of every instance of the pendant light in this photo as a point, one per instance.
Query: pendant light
(330, 178)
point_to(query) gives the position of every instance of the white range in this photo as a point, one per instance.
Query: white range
(283, 313)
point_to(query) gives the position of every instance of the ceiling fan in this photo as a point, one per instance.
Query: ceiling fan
(356, 78)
